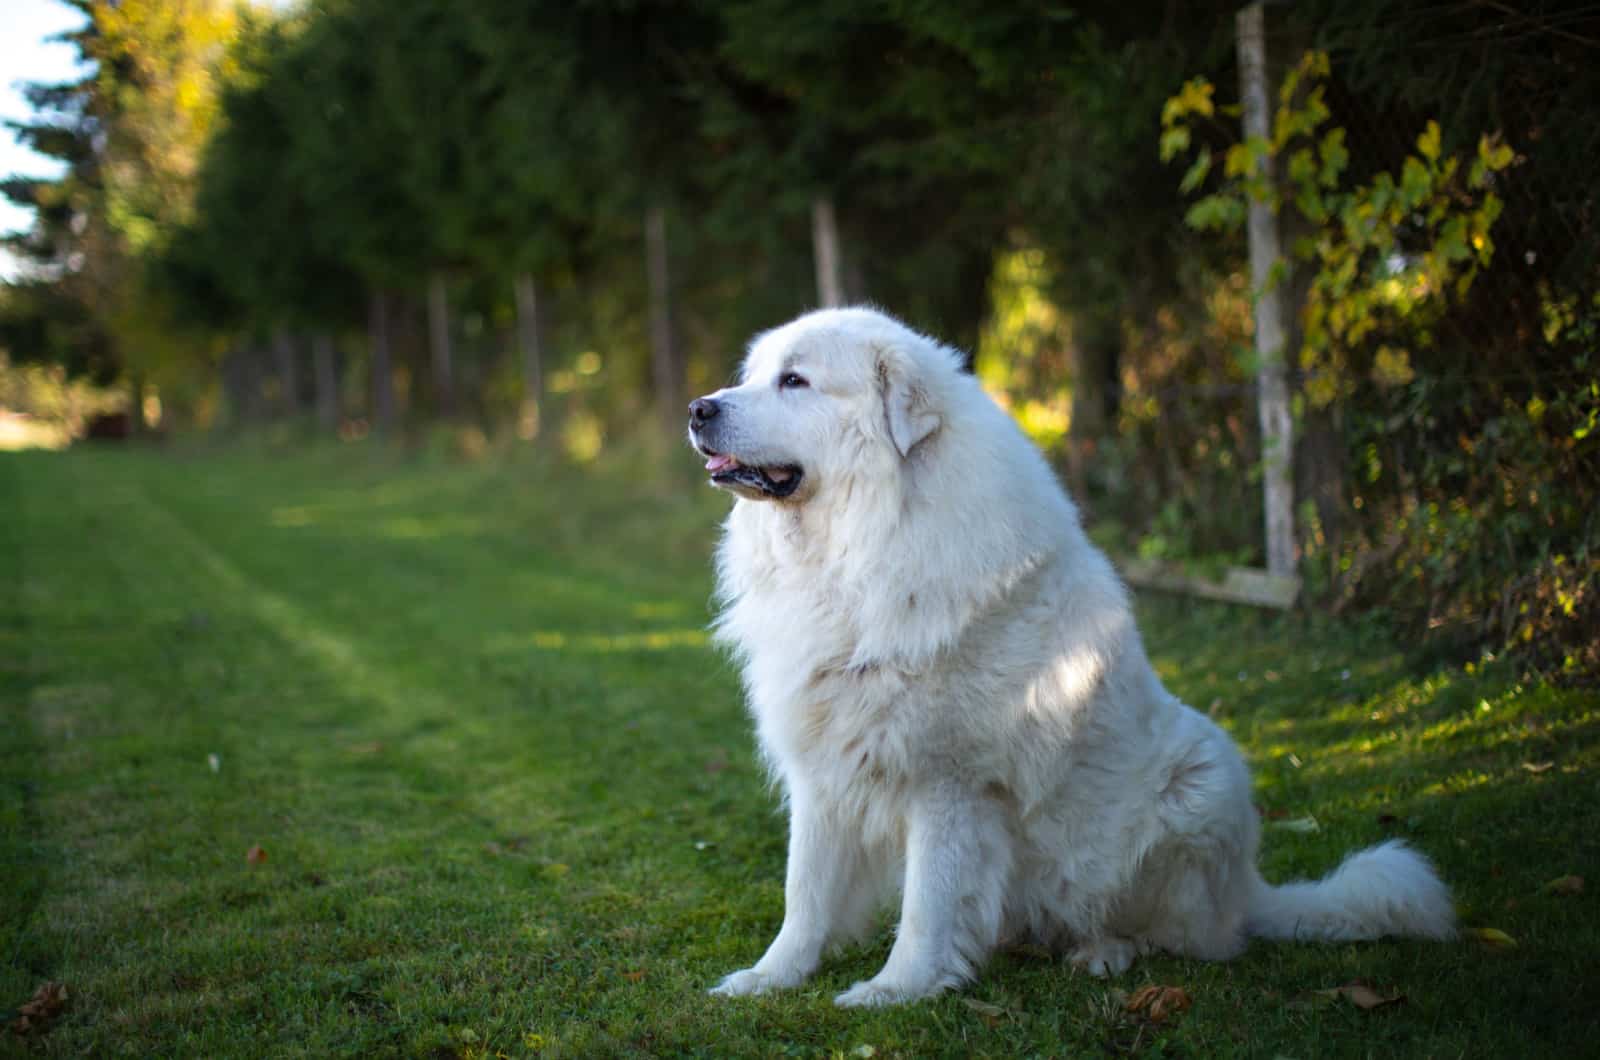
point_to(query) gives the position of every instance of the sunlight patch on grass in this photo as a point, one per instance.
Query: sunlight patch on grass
(598, 643)
(413, 528)
(657, 609)
(294, 517)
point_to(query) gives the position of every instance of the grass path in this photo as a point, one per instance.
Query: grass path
(508, 801)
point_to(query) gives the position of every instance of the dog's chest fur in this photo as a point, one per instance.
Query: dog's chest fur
(823, 709)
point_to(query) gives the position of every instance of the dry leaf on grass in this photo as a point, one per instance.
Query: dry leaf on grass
(1493, 938)
(1361, 995)
(992, 1015)
(1156, 1003)
(634, 977)
(1565, 885)
(36, 1014)
(255, 855)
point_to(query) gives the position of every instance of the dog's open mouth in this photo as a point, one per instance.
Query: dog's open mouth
(778, 480)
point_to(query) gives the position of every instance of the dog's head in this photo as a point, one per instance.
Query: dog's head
(837, 392)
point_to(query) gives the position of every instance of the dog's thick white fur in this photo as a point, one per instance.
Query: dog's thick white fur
(948, 686)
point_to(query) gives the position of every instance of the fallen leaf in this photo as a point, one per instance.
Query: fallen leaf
(1538, 767)
(992, 1015)
(372, 748)
(255, 855)
(1493, 938)
(1361, 995)
(1565, 885)
(37, 1013)
(1156, 1003)
(1303, 825)
(634, 977)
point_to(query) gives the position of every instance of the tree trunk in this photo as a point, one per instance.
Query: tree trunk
(327, 381)
(439, 345)
(283, 352)
(382, 364)
(1096, 392)
(666, 369)
(1271, 310)
(235, 387)
(255, 382)
(532, 355)
(825, 246)
(137, 424)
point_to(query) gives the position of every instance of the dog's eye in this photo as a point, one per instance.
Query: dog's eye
(790, 381)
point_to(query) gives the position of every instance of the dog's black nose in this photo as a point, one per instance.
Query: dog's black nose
(702, 409)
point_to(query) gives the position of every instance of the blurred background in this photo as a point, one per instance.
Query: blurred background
(518, 223)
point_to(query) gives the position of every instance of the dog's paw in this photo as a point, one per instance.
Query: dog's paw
(869, 993)
(1103, 957)
(879, 992)
(749, 982)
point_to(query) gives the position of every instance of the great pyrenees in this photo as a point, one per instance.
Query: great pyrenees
(948, 685)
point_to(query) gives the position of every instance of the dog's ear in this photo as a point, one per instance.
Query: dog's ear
(908, 408)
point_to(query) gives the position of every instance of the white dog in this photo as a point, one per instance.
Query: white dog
(947, 683)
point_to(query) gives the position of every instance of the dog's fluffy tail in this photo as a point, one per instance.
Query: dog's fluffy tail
(1388, 889)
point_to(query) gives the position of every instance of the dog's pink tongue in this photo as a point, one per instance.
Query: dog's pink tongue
(720, 463)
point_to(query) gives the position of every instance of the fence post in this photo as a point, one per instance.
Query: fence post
(825, 247)
(528, 335)
(666, 365)
(1271, 305)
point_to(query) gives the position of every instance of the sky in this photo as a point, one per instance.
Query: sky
(25, 55)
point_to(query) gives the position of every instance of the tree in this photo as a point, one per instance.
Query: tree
(130, 132)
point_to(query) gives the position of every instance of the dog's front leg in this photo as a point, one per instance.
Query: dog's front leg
(954, 888)
(824, 864)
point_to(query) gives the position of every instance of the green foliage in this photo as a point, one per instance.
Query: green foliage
(1460, 529)
(1493, 537)
(1384, 256)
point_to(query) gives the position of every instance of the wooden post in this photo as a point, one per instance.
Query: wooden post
(825, 246)
(439, 344)
(138, 426)
(382, 366)
(1271, 308)
(666, 372)
(288, 374)
(327, 380)
(528, 342)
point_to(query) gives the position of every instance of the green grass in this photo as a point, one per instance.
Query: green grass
(509, 802)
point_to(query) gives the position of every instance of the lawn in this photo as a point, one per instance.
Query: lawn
(342, 752)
